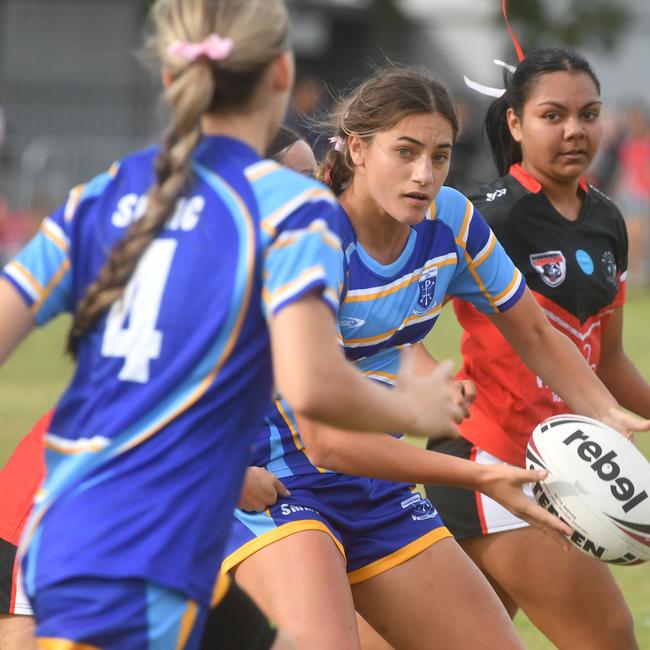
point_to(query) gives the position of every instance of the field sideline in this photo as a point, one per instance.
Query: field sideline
(33, 379)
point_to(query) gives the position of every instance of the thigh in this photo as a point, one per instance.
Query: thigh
(17, 632)
(111, 614)
(300, 582)
(572, 599)
(438, 598)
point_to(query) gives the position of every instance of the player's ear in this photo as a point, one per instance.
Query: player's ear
(357, 148)
(514, 124)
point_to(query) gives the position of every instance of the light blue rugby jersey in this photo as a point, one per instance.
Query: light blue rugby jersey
(385, 307)
(147, 448)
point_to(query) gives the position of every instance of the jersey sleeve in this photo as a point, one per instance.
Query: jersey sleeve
(621, 262)
(41, 271)
(304, 255)
(485, 276)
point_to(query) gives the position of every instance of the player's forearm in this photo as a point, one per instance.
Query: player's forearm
(625, 382)
(16, 321)
(384, 457)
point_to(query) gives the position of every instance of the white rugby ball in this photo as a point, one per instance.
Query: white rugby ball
(598, 483)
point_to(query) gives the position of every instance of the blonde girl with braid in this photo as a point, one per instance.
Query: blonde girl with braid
(187, 267)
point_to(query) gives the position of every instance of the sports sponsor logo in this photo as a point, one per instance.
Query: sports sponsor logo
(607, 469)
(289, 509)
(427, 289)
(551, 266)
(349, 322)
(420, 508)
(584, 261)
(490, 196)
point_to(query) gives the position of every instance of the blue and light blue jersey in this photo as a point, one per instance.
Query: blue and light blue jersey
(386, 307)
(147, 448)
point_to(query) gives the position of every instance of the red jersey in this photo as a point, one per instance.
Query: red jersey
(19, 480)
(576, 271)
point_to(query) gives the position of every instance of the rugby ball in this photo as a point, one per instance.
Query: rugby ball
(598, 482)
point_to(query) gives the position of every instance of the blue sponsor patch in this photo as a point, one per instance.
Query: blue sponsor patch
(584, 261)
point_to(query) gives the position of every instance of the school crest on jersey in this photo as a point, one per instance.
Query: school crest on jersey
(427, 289)
(551, 266)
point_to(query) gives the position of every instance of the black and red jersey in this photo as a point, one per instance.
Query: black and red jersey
(576, 271)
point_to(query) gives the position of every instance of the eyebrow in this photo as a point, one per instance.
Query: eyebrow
(551, 103)
(444, 145)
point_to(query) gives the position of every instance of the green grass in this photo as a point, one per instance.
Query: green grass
(32, 380)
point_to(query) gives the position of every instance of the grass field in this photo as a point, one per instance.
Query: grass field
(32, 380)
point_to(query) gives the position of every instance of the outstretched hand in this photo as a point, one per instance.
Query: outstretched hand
(624, 422)
(429, 399)
(504, 484)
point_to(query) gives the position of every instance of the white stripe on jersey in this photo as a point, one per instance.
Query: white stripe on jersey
(294, 287)
(55, 234)
(289, 237)
(370, 293)
(260, 169)
(581, 336)
(313, 194)
(413, 319)
(516, 283)
(25, 280)
(76, 446)
(484, 253)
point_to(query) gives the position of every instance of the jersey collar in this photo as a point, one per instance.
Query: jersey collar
(531, 183)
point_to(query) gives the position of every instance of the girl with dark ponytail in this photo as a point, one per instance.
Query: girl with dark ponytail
(186, 268)
(569, 241)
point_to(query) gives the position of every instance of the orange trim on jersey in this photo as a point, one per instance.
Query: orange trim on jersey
(296, 436)
(265, 168)
(56, 278)
(33, 282)
(477, 261)
(73, 202)
(258, 543)
(14, 584)
(584, 185)
(479, 282)
(478, 496)
(50, 643)
(509, 288)
(398, 557)
(221, 586)
(187, 624)
(461, 240)
(48, 232)
(432, 211)
(525, 179)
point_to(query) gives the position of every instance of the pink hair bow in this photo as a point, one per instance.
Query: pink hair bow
(338, 142)
(213, 47)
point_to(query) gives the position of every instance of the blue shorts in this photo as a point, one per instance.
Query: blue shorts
(375, 524)
(111, 614)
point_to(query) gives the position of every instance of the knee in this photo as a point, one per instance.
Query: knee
(617, 630)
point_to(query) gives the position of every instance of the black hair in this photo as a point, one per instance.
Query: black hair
(285, 137)
(505, 151)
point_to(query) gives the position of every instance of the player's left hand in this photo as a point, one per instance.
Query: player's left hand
(261, 489)
(624, 422)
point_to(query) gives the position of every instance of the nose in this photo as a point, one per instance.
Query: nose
(573, 128)
(423, 171)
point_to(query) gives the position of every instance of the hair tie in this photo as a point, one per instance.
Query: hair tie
(212, 47)
(338, 142)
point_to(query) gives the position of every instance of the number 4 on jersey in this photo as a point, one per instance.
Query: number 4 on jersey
(131, 323)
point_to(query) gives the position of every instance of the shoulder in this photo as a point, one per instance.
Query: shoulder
(136, 166)
(450, 207)
(495, 200)
(287, 199)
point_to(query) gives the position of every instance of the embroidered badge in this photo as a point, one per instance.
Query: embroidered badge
(551, 266)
